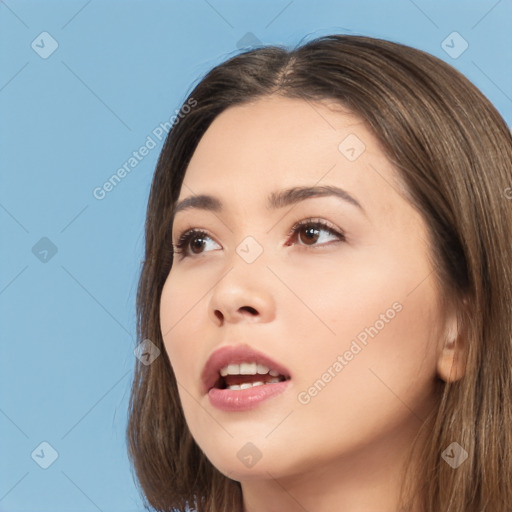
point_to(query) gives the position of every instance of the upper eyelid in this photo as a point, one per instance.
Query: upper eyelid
(309, 220)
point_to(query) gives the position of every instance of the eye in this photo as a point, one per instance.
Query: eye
(192, 240)
(308, 232)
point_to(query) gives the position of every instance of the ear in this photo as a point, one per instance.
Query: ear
(451, 359)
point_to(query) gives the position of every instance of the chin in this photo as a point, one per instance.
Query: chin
(240, 473)
(245, 461)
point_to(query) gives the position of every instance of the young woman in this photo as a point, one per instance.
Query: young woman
(328, 278)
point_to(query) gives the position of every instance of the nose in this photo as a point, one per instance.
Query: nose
(243, 294)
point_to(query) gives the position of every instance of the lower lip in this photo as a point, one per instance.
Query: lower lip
(244, 399)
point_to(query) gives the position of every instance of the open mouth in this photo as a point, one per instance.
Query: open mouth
(240, 378)
(233, 370)
(247, 375)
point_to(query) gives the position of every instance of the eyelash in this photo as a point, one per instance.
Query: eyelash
(182, 248)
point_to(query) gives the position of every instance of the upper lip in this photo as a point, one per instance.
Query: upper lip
(235, 354)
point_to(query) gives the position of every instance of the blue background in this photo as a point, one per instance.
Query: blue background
(68, 123)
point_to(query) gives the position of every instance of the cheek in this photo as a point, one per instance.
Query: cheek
(181, 312)
(380, 367)
(380, 314)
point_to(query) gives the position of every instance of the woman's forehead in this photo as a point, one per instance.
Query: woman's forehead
(254, 151)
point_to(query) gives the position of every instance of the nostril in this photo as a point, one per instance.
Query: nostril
(250, 309)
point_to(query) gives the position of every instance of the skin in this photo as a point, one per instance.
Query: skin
(345, 448)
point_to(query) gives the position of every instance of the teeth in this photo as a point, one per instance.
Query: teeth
(233, 369)
(247, 385)
(247, 369)
(262, 369)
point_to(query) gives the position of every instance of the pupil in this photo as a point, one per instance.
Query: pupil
(312, 234)
(197, 243)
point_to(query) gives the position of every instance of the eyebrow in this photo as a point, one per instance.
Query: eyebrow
(275, 200)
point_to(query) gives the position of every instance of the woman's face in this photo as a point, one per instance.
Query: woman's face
(346, 306)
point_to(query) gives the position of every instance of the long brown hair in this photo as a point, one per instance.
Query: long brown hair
(453, 152)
